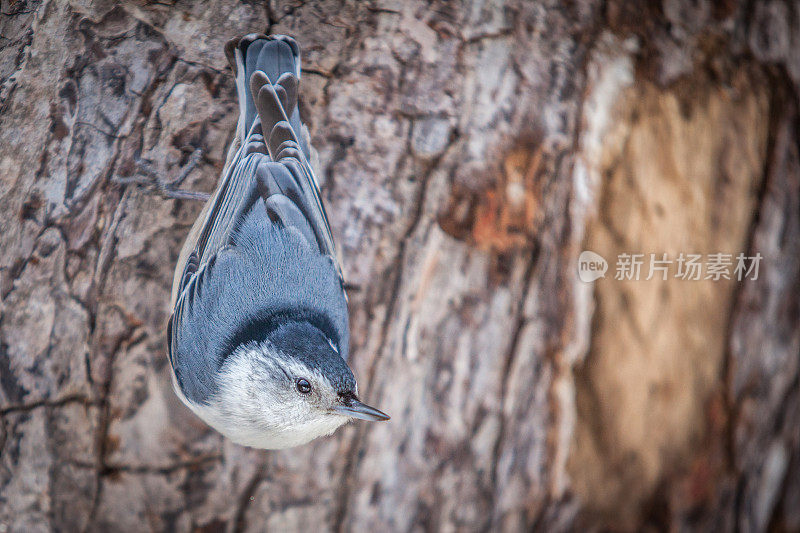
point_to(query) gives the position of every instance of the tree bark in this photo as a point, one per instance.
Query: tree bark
(469, 152)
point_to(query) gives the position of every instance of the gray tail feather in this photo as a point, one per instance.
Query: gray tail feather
(274, 55)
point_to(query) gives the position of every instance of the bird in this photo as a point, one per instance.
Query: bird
(258, 337)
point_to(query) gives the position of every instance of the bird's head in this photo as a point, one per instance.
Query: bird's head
(285, 390)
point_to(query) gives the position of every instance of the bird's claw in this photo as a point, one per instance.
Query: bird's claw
(150, 178)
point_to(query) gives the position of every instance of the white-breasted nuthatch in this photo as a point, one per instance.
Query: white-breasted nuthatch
(258, 338)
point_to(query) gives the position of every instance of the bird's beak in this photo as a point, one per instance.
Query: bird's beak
(354, 408)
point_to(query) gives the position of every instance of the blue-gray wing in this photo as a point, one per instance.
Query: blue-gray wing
(266, 77)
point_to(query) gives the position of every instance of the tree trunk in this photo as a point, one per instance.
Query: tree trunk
(469, 154)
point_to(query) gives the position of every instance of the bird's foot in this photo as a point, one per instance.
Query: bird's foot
(149, 178)
(351, 287)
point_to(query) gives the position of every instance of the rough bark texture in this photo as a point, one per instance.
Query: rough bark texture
(469, 152)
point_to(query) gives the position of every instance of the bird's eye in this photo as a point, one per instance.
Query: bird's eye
(303, 386)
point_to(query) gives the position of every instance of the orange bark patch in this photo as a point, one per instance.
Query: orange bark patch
(502, 217)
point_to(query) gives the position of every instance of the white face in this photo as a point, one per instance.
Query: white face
(271, 402)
